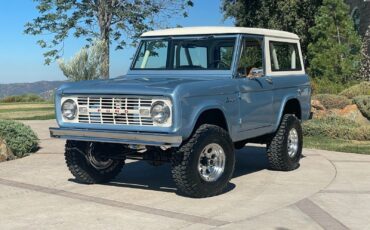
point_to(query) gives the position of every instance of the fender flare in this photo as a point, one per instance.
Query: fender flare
(281, 110)
(199, 112)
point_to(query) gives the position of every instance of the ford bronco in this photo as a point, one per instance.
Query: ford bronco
(191, 97)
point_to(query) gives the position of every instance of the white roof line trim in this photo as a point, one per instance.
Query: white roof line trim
(219, 30)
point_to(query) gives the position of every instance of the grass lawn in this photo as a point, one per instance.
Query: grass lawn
(349, 146)
(27, 111)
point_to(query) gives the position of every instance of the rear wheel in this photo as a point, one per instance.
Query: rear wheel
(204, 165)
(284, 151)
(87, 162)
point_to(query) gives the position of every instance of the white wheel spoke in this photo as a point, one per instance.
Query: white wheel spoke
(293, 142)
(212, 162)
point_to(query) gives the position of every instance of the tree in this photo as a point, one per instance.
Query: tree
(86, 64)
(365, 51)
(295, 16)
(107, 20)
(335, 50)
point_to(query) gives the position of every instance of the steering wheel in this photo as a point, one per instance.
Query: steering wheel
(219, 63)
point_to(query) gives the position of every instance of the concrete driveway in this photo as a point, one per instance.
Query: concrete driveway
(329, 191)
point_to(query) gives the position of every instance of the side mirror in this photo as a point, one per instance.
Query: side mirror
(255, 73)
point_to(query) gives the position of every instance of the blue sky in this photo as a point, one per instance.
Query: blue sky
(21, 59)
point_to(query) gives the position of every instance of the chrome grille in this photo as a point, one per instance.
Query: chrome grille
(115, 110)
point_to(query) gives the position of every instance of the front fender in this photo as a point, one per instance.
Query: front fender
(194, 107)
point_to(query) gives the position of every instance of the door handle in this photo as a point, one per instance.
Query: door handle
(269, 80)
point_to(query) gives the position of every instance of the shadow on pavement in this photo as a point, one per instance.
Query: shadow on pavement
(142, 175)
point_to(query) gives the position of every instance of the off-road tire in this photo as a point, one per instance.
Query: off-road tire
(82, 170)
(185, 163)
(277, 148)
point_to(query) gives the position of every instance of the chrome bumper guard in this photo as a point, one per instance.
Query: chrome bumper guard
(153, 139)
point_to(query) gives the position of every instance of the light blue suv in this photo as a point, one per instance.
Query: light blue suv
(191, 97)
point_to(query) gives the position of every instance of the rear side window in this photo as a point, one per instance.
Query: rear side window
(284, 56)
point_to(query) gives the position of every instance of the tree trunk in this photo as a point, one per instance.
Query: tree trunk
(105, 60)
(105, 18)
(365, 51)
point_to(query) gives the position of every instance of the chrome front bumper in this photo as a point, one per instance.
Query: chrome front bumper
(151, 139)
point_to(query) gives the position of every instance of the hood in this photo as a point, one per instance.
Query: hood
(128, 85)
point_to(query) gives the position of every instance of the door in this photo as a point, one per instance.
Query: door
(256, 89)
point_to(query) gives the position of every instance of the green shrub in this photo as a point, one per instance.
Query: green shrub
(19, 137)
(336, 127)
(325, 86)
(331, 101)
(357, 90)
(363, 104)
(22, 98)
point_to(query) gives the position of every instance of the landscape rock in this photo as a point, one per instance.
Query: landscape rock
(316, 104)
(318, 109)
(5, 153)
(350, 112)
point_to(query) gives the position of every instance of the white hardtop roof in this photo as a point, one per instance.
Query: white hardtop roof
(219, 30)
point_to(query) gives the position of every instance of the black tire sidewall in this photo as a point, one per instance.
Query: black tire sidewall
(277, 148)
(293, 122)
(82, 169)
(213, 135)
(102, 172)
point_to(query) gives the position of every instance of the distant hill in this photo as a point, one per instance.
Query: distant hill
(42, 88)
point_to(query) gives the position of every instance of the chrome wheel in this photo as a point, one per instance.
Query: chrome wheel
(211, 162)
(96, 161)
(293, 140)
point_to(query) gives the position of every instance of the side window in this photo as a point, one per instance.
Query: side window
(284, 56)
(251, 59)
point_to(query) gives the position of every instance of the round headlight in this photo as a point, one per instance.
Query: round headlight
(69, 109)
(160, 112)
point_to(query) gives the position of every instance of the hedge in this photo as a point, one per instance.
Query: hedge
(360, 89)
(331, 101)
(336, 127)
(22, 98)
(20, 138)
(363, 104)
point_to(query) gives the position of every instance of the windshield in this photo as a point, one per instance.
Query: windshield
(204, 53)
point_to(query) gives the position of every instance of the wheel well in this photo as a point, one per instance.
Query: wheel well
(212, 117)
(293, 107)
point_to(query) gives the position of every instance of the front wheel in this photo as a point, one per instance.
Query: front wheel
(87, 162)
(204, 165)
(285, 149)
